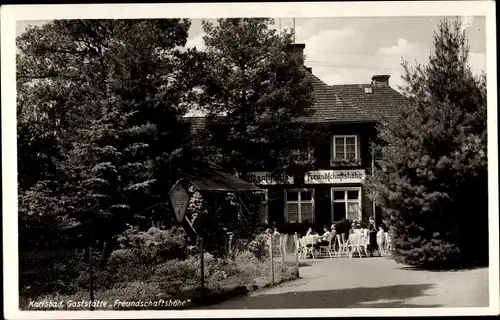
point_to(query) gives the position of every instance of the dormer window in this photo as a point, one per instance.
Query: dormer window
(345, 148)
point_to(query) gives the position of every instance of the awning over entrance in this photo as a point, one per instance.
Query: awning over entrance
(211, 179)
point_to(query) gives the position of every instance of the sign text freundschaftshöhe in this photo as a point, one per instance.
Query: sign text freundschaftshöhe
(334, 176)
(267, 178)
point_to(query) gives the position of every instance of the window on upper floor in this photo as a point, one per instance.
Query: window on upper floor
(345, 148)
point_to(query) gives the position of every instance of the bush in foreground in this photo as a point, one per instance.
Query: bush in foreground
(129, 279)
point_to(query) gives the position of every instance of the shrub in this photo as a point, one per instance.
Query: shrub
(154, 245)
(259, 246)
(343, 226)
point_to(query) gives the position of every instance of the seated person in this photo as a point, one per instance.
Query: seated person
(334, 231)
(357, 228)
(310, 232)
(325, 237)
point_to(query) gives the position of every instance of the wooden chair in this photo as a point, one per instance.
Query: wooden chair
(309, 246)
(296, 244)
(302, 248)
(278, 245)
(342, 244)
(326, 250)
(354, 244)
(365, 242)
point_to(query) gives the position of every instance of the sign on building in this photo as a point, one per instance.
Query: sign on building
(180, 200)
(334, 176)
(267, 178)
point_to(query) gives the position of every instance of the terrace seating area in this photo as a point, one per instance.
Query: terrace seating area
(331, 244)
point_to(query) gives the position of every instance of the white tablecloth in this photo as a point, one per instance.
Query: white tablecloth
(354, 239)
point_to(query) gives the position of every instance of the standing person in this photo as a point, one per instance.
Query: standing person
(334, 235)
(372, 228)
(381, 240)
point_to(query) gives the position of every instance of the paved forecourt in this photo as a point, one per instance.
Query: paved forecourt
(369, 283)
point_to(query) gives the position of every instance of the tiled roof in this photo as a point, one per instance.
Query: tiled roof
(380, 103)
(342, 103)
(332, 107)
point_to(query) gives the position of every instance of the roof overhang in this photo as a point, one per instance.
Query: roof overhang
(216, 180)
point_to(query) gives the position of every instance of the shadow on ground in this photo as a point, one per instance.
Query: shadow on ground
(457, 269)
(382, 297)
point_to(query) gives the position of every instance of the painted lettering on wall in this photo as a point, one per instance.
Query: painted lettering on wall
(267, 178)
(334, 176)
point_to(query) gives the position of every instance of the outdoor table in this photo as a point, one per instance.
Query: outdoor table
(312, 240)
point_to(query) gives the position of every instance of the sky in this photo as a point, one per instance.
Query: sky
(344, 50)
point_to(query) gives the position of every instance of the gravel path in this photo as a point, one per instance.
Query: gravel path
(370, 283)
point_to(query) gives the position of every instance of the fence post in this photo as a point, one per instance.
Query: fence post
(271, 256)
(296, 247)
(202, 267)
(91, 279)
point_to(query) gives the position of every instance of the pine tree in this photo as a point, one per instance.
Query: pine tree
(120, 87)
(432, 178)
(261, 90)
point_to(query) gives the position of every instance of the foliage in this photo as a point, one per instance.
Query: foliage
(254, 91)
(99, 114)
(259, 246)
(224, 221)
(151, 246)
(432, 179)
(174, 279)
(343, 227)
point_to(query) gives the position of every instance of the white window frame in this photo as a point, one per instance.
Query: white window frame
(299, 202)
(356, 145)
(346, 201)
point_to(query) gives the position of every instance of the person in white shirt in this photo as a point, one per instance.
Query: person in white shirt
(381, 240)
(325, 237)
(326, 234)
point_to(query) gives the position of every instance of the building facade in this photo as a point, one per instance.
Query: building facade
(334, 189)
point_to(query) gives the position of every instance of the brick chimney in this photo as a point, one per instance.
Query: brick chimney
(297, 49)
(381, 79)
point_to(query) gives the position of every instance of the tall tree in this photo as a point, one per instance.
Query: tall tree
(260, 90)
(120, 88)
(432, 178)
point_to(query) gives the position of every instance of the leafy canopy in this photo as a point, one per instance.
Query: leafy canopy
(255, 90)
(105, 99)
